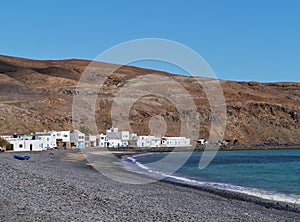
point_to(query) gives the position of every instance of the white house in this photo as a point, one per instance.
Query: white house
(102, 140)
(92, 141)
(48, 140)
(116, 138)
(63, 136)
(26, 142)
(148, 141)
(114, 143)
(77, 139)
(124, 135)
(26, 145)
(54, 139)
(175, 141)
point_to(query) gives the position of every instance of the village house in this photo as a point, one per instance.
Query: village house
(116, 138)
(91, 141)
(77, 139)
(54, 139)
(102, 138)
(48, 140)
(26, 145)
(133, 139)
(26, 142)
(39, 141)
(63, 139)
(175, 141)
(148, 141)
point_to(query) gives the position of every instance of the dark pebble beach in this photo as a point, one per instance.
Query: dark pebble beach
(60, 185)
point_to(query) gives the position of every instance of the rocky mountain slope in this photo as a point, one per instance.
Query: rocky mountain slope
(38, 95)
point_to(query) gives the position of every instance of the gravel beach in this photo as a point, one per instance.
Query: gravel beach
(59, 185)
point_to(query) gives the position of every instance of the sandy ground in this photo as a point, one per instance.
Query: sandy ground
(62, 186)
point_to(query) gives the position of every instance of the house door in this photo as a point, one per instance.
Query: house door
(30, 147)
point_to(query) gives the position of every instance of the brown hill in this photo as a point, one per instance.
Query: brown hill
(38, 95)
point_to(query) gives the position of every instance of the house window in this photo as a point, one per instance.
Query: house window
(20, 145)
(65, 135)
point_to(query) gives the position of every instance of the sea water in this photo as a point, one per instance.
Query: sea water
(269, 174)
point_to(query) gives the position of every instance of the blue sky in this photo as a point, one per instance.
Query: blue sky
(241, 40)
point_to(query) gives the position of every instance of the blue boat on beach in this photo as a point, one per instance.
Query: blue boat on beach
(21, 157)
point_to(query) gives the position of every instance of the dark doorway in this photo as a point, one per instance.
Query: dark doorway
(30, 147)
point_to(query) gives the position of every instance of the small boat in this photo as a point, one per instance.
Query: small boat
(21, 157)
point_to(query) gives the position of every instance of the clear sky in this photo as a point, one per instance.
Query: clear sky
(241, 40)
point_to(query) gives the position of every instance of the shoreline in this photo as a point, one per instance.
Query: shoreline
(73, 185)
(280, 205)
(199, 149)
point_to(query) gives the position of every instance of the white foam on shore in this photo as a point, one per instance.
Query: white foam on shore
(131, 164)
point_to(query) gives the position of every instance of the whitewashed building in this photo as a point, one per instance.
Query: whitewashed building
(20, 145)
(26, 142)
(102, 140)
(148, 141)
(53, 139)
(116, 143)
(91, 141)
(77, 139)
(116, 138)
(175, 141)
(48, 139)
(63, 136)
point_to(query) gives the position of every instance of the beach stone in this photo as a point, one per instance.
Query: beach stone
(50, 188)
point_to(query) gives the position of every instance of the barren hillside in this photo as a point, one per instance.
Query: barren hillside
(38, 95)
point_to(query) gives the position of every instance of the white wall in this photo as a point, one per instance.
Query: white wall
(62, 135)
(148, 141)
(48, 141)
(26, 145)
(124, 135)
(102, 140)
(176, 141)
(93, 140)
(114, 143)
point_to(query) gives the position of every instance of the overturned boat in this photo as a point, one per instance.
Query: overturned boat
(21, 157)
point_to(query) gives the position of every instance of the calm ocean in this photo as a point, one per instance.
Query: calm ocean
(271, 174)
